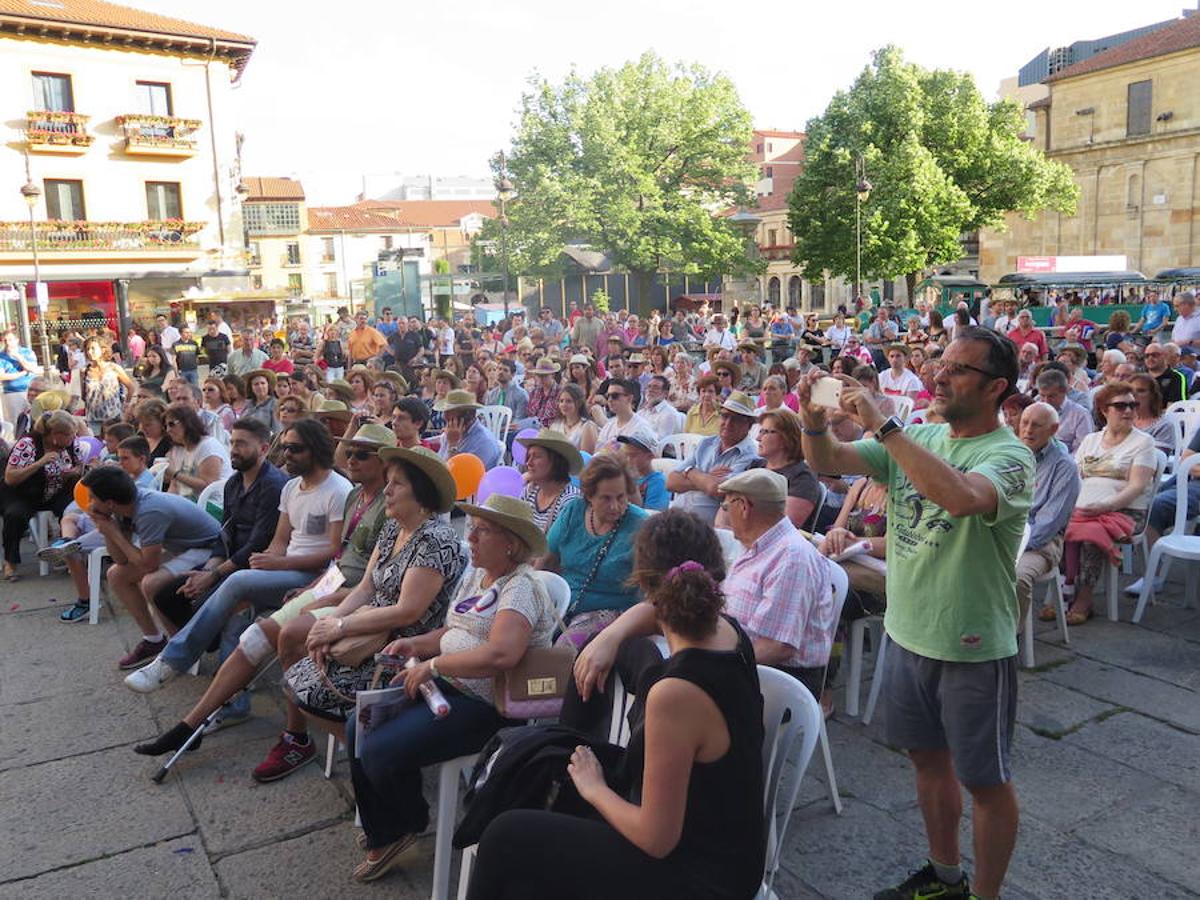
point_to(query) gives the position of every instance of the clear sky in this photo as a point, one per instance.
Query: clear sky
(336, 90)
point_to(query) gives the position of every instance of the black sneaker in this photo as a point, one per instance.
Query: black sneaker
(76, 612)
(923, 884)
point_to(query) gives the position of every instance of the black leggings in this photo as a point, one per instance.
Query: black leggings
(18, 514)
(525, 854)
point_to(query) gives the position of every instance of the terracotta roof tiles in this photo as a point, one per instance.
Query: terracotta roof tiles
(1183, 34)
(350, 218)
(430, 213)
(270, 188)
(110, 15)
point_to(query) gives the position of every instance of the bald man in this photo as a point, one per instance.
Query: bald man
(1056, 488)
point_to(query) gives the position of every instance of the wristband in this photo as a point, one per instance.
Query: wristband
(433, 669)
(811, 433)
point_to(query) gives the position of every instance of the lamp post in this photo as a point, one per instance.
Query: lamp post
(862, 190)
(504, 190)
(32, 193)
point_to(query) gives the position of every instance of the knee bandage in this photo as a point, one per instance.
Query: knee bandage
(255, 645)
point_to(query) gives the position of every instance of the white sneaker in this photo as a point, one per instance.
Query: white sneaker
(150, 678)
(1136, 588)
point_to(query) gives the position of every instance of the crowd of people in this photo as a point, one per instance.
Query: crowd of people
(289, 491)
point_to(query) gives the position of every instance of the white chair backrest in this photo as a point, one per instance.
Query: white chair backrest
(903, 406)
(731, 547)
(1189, 411)
(683, 443)
(558, 589)
(159, 470)
(1024, 541)
(791, 728)
(212, 496)
(666, 466)
(495, 419)
(1182, 473)
(816, 513)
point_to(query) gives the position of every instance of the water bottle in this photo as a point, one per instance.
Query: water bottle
(434, 698)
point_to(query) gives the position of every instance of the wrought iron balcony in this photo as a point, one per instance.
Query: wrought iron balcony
(159, 135)
(48, 131)
(79, 237)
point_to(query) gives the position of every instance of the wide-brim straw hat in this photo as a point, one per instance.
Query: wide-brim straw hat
(738, 402)
(556, 442)
(582, 359)
(731, 366)
(511, 514)
(447, 375)
(372, 436)
(395, 378)
(265, 373)
(546, 366)
(457, 400)
(431, 464)
(341, 387)
(333, 409)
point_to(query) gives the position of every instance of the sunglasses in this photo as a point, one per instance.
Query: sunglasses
(293, 449)
(1123, 405)
(616, 396)
(361, 455)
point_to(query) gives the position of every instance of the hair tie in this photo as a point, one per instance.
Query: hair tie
(689, 566)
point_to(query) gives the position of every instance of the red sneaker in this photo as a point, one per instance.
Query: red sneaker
(285, 758)
(143, 653)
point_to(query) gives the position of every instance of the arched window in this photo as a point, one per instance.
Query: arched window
(794, 292)
(773, 291)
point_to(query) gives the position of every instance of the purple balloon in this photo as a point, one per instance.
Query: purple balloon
(518, 449)
(503, 480)
(94, 447)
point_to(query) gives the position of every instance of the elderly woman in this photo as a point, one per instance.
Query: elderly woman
(591, 546)
(688, 822)
(779, 446)
(1149, 416)
(103, 384)
(195, 459)
(261, 403)
(574, 419)
(40, 474)
(705, 417)
(775, 395)
(1116, 464)
(361, 380)
(550, 461)
(150, 416)
(500, 611)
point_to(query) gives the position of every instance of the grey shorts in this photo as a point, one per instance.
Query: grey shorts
(970, 708)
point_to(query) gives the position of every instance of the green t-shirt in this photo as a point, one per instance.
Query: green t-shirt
(951, 582)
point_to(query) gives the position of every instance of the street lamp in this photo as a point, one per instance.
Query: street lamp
(862, 190)
(504, 190)
(32, 193)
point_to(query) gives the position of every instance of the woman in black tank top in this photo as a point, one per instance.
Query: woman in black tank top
(690, 824)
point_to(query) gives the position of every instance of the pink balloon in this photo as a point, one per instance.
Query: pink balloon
(519, 450)
(503, 480)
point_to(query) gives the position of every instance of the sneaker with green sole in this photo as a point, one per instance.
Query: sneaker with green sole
(923, 884)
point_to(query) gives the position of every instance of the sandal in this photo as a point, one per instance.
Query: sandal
(389, 857)
(1076, 617)
(10, 572)
(1047, 614)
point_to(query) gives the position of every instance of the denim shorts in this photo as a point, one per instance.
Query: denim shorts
(968, 707)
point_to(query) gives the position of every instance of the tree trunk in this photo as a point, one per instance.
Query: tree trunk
(644, 281)
(910, 284)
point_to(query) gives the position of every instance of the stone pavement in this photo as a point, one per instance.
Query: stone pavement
(1107, 768)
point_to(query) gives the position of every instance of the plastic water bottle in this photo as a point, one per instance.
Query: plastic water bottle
(434, 698)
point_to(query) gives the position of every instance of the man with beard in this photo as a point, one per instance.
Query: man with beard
(307, 536)
(364, 516)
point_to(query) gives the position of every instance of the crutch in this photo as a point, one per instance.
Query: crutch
(195, 735)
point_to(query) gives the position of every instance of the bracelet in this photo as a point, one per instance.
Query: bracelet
(433, 669)
(341, 625)
(811, 433)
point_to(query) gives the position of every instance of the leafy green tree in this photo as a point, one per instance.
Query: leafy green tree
(940, 160)
(636, 162)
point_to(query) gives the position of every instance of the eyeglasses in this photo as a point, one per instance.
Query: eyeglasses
(731, 500)
(1123, 405)
(953, 369)
(763, 431)
(361, 455)
(293, 449)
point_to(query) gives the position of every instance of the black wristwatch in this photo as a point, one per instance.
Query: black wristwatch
(891, 425)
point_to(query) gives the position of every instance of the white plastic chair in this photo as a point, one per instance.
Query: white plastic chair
(39, 526)
(682, 444)
(558, 589)
(1137, 539)
(792, 724)
(1189, 412)
(95, 567)
(1178, 544)
(159, 470)
(496, 419)
(1054, 594)
(666, 466)
(213, 495)
(731, 547)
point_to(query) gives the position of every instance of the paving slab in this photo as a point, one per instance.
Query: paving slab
(1175, 620)
(176, 869)
(42, 657)
(1163, 656)
(1052, 709)
(1160, 831)
(236, 813)
(1144, 744)
(1122, 687)
(71, 811)
(865, 770)
(69, 724)
(318, 864)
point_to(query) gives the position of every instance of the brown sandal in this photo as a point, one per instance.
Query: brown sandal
(1047, 614)
(1076, 617)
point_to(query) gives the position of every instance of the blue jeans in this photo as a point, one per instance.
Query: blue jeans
(1162, 511)
(263, 589)
(387, 777)
(192, 377)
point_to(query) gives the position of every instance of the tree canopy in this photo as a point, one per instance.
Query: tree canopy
(634, 161)
(940, 159)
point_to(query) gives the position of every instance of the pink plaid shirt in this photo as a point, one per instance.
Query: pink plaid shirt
(780, 589)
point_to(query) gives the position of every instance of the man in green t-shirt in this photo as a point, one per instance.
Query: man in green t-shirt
(958, 498)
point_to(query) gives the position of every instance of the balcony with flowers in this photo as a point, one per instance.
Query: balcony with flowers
(49, 131)
(77, 241)
(147, 135)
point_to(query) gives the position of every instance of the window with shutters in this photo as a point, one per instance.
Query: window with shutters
(162, 200)
(64, 200)
(1140, 96)
(52, 92)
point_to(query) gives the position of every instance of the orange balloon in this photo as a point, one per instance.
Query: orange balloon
(83, 496)
(467, 469)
